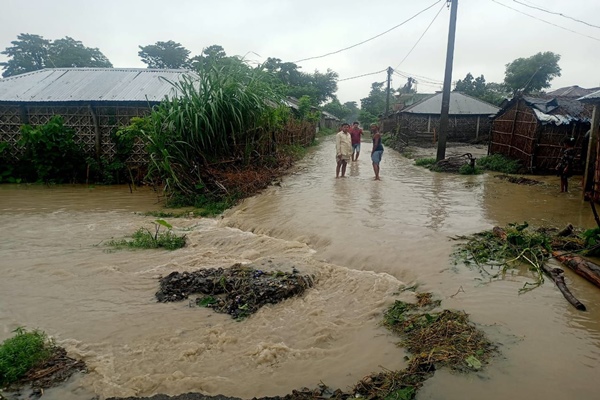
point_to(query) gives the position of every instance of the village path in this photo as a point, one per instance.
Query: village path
(402, 226)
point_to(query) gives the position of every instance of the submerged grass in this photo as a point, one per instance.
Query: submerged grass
(21, 353)
(499, 163)
(144, 239)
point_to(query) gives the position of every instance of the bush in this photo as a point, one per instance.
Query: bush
(22, 352)
(144, 239)
(499, 163)
(50, 153)
(468, 170)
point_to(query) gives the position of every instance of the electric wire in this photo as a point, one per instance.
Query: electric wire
(557, 13)
(543, 20)
(368, 40)
(360, 76)
(421, 37)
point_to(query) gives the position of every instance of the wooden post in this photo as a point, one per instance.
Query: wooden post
(512, 129)
(429, 123)
(98, 141)
(477, 129)
(591, 158)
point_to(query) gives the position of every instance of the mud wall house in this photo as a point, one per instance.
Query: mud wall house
(592, 170)
(469, 119)
(329, 121)
(532, 130)
(94, 102)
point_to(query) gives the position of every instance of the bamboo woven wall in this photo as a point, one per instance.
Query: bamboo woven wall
(80, 119)
(517, 134)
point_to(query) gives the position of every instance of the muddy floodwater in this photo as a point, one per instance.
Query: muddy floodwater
(361, 239)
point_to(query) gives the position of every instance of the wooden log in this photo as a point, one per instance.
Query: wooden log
(558, 277)
(580, 266)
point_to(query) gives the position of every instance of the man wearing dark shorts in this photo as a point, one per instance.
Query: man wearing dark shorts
(355, 134)
(377, 151)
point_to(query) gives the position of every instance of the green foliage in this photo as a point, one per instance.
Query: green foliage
(305, 110)
(429, 163)
(466, 169)
(319, 86)
(7, 166)
(491, 92)
(326, 132)
(499, 163)
(144, 239)
(33, 52)
(366, 118)
(170, 55)
(21, 352)
(50, 153)
(532, 74)
(338, 109)
(591, 239)
(374, 103)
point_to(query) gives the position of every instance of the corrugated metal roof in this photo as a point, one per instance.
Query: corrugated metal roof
(91, 84)
(460, 104)
(592, 97)
(571, 91)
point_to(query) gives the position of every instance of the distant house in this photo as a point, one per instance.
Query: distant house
(532, 130)
(94, 102)
(329, 121)
(468, 118)
(571, 92)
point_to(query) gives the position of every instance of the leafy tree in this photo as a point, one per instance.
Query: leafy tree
(210, 56)
(354, 110)
(32, 52)
(28, 53)
(319, 86)
(374, 104)
(171, 55)
(533, 73)
(338, 109)
(408, 87)
(491, 92)
(472, 86)
(71, 53)
(366, 118)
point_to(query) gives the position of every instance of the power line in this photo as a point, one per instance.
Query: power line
(360, 76)
(557, 13)
(368, 40)
(543, 20)
(421, 37)
(420, 78)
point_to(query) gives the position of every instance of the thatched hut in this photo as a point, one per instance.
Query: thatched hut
(532, 130)
(94, 102)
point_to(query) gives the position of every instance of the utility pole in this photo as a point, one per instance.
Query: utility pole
(441, 150)
(387, 101)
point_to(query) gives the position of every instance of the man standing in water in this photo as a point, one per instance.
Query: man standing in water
(343, 150)
(377, 150)
(355, 135)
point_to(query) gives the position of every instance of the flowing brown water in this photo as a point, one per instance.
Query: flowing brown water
(361, 239)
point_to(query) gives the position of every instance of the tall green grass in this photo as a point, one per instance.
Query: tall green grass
(499, 163)
(227, 112)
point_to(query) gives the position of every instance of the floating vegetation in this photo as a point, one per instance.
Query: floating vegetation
(238, 291)
(500, 250)
(144, 239)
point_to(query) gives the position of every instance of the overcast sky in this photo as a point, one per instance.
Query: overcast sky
(488, 35)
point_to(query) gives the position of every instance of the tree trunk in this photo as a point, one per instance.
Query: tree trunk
(580, 266)
(558, 277)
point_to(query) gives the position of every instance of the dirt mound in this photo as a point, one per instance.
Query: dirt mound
(238, 291)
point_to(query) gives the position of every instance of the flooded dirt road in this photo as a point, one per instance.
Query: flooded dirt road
(362, 239)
